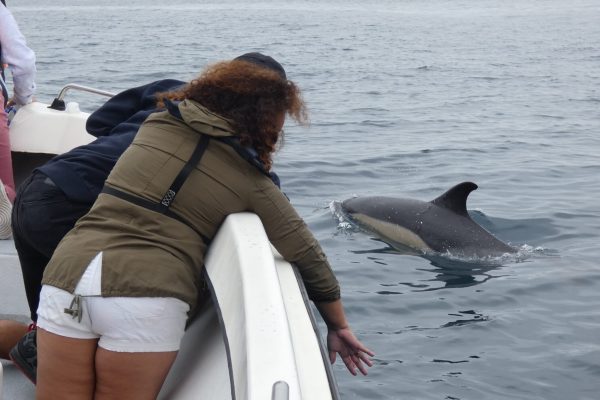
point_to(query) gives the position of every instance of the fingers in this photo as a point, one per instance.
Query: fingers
(359, 350)
(350, 364)
(356, 360)
(361, 367)
(362, 348)
(356, 345)
(352, 352)
(363, 354)
(362, 361)
(364, 358)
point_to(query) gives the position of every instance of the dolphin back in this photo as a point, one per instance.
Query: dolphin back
(451, 228)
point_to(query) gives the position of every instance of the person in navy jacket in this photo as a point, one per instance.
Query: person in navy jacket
(59, 192)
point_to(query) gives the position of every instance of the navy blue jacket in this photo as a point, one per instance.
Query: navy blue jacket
(80, 173)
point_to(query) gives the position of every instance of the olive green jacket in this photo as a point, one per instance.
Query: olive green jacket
(148, 254)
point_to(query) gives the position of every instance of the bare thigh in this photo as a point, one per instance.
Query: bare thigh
(132, 376)
(65, 367)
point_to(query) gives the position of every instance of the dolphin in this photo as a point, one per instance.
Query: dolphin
(442, 225)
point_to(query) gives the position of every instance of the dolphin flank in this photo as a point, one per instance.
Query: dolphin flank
(442, 225)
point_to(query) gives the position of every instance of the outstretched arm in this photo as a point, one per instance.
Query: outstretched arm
(291, 237)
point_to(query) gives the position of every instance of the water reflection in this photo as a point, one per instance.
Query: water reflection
(466, 317)
(452, 273)
(457, 273)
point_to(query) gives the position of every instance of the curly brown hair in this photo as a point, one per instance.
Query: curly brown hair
(251, 97)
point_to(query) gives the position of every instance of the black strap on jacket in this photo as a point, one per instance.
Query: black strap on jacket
(189, 166)
(162, 207)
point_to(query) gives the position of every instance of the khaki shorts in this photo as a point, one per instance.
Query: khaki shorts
(122, 324)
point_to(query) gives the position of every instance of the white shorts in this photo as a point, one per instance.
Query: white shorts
(123, 324)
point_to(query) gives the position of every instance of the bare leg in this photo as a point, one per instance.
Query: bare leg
(132, 376)
(65, 367)
(10, 333)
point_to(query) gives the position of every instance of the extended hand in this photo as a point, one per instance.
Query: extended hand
(352, 351)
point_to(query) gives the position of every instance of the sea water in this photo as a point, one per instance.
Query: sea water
(407, 98)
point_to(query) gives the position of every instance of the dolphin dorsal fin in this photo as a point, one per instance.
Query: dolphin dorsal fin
(455, 199)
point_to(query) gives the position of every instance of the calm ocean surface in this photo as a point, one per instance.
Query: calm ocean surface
(407, 98)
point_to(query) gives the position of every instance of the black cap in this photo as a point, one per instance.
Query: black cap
(263, 61)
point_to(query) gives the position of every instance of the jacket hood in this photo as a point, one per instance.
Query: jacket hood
(203, 120)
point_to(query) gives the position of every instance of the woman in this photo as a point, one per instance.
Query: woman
(21, 62)
(147, 234)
